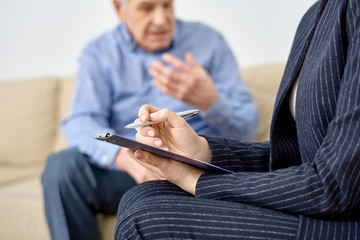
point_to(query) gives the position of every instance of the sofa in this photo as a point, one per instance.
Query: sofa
(31, 111)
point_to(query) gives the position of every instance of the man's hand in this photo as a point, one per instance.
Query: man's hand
(189, 82)
(139, 173)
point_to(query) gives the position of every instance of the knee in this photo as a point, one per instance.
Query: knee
(142, 191)
(148, 190)
(129, 211)
(61, 167)
(131, 197)
(144, 203)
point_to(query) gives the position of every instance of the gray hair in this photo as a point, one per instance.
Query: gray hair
(123, 2)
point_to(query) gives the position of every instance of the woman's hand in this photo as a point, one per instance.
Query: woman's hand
(126, 164)
(175, 135)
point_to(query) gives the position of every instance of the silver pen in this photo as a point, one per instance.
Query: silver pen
(184, 114)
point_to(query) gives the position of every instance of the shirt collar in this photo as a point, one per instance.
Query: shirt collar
(133, 46)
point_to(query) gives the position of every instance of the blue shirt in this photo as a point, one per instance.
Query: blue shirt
(113, 83)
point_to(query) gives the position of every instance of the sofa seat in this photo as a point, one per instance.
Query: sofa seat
(13, 174)
(21, 207)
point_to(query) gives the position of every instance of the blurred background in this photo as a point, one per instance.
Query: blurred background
(42, 37)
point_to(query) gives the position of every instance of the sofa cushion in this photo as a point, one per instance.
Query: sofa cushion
(13, 174)
(263, 82)
(28, 119)
(65, 98)
(22, 211)
(106, 225)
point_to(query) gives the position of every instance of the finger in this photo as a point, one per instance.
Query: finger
(156, 67)
(155, 142)
(144, 173)
(148, 160)
(176, 62)
(166, 87)
(145, 110)
(161, 70)
(154, 72)
(191, 60)
(146, 131)
(171, 118)
(167, 83)
(164, 79)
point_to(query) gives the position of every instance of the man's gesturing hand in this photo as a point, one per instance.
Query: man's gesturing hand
(188, 82)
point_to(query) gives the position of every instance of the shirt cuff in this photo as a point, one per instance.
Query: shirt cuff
(105, 155)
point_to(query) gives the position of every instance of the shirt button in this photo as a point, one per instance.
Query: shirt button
(104, 158)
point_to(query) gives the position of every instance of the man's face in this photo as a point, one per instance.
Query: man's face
(150, 22)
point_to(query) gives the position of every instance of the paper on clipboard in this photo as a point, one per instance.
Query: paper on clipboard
(134, 145)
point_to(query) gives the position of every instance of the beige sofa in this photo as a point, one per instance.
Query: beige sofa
(31, 110)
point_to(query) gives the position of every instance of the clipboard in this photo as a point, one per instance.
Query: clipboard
(134, 145)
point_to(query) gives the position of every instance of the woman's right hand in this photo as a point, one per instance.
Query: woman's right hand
(173, 133)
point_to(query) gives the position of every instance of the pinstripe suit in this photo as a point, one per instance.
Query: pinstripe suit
(305, 182)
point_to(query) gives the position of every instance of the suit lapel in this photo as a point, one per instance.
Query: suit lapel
(284, 143)
(299, 53)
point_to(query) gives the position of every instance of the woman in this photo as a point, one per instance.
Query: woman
(302, 184)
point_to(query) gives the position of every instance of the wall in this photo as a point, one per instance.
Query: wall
(45, 37)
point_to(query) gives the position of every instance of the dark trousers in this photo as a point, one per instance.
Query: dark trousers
(75, 191)
(161, 210)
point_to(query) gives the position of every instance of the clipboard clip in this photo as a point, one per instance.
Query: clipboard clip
(103, 135)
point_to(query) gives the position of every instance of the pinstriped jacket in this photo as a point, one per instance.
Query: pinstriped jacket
(311, 166)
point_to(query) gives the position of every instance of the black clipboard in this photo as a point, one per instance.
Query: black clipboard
(134, 145)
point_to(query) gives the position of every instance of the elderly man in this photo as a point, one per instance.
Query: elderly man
(150, 58)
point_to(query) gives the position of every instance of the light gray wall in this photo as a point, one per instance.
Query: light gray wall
(44, 37)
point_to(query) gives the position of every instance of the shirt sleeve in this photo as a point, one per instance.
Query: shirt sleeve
(90, 112)
(326, 187)
(234, 114)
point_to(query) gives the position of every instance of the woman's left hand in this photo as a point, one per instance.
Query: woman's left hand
(181, 174)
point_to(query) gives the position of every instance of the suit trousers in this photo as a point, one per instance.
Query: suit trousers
(76, 190)
(161, 210)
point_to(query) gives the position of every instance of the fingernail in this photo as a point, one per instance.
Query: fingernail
(157, 143)
(150, 133)
(139, 155)
(166, 149)
(153, 115)
(143, 118)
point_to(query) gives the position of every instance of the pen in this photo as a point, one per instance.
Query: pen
(184, 114)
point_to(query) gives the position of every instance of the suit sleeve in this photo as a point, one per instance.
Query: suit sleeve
(239, 156)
